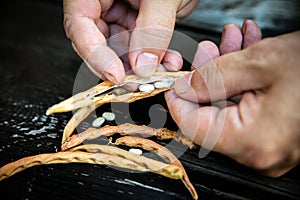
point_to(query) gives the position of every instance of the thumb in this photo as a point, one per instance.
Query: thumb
(224, 77)
(152, 35)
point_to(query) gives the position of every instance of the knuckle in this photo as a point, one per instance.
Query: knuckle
(153, 37)
(200, 87)
(261, 52)
(67, 25)
(208, 83)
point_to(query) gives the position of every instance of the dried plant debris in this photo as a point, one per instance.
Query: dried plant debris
(126, 129)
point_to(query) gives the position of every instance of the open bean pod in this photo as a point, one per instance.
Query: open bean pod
(103, 92)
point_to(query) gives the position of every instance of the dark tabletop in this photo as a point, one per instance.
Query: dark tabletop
(38, 68)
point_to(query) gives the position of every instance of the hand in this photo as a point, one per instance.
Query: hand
(89, 23)
(262, 130)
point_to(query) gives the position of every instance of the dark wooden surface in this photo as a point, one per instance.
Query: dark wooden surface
(272, 16)
(38, 68)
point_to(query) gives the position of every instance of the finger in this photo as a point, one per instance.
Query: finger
(206, 51)
(251, 33)
(103, 61)
(204, 129)
(186, 7)
(151, 37)
(134, 3)
(213, 128)
(81, 21)
(183, 111)
(119, 43)
(172, 60)
(121, 14)
(102, 26)
(231, 39)
(224, 77)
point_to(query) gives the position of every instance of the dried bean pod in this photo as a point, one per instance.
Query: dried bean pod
(91, 96)
(126, 129)
(81, 99)
(76, 119)
(108, 155)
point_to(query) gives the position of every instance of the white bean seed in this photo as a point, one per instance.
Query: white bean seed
(109, 116)
(136, 151)
(98, 122)
(146, 88)
(160, 84)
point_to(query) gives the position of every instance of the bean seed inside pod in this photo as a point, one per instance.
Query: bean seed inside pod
(98, 122)
(109, 116)
(146, 88)
(120, 91)
(161, 84)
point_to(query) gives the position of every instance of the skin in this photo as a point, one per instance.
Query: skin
(260, 130)
(89, 23)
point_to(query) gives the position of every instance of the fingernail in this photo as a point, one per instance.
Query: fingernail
(173, 61)
(146, 64)
(174, 65)
(112, 74)
(109, 77)
(244, 27)
(183, 84)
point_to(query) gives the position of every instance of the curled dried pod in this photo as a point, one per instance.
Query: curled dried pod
(126, 129)
(94, 154)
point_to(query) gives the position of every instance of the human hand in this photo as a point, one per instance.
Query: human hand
(89, 23)
(260, 131)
